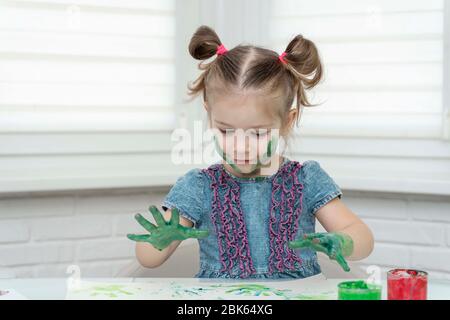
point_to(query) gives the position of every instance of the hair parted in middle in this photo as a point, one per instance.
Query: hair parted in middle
(248, 67)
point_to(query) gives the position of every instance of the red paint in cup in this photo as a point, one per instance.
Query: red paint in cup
(407, 284)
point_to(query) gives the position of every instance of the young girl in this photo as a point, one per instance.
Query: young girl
(254, 212)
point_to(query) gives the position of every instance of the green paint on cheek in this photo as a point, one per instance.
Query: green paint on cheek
(224, 156)
(269, 149)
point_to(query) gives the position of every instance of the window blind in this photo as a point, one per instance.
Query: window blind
(87, 92)
(383, 65)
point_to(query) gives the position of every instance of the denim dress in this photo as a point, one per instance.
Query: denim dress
(251, 220)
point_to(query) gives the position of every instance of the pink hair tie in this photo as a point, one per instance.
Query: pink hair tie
(281, 57)
(221, 50)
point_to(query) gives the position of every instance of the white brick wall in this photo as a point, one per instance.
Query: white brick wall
(41, 234)
(410, 230)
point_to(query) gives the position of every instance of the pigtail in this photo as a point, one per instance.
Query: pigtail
(302, 59)
(203, 45)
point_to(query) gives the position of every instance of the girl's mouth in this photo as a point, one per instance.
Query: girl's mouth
(243, 161)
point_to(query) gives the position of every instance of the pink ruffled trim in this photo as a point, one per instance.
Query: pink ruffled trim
(228, 220)
(284, 217)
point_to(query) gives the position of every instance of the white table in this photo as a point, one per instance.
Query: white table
(56, 288)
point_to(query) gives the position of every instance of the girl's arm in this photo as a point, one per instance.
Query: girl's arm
(150, 257)
(335, 216)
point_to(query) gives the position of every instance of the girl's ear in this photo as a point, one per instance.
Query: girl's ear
(209, 114)
(290, 120)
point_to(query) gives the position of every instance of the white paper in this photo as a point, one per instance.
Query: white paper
(198, 289)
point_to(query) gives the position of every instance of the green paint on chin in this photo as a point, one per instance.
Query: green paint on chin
(224, 156)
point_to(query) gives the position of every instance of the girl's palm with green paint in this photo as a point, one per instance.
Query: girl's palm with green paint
(335, 245)
(165, 233)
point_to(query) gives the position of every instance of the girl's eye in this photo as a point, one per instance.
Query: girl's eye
(256, 133)
(263, 133)
(226, 131)
(260, 133)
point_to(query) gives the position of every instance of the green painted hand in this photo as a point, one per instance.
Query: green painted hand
(335, 245)
(162, 235)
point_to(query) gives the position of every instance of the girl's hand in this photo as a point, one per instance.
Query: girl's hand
(335, 245)
(162, 235)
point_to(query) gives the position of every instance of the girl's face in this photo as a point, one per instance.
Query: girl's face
(246, 128)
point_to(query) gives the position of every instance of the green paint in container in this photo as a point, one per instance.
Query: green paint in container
(358, 290)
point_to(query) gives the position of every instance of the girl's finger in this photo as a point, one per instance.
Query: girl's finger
(199, 234)
(322, 240)
(311, 236)
(138, 237)
(175, 218)
(319, 247)
(189, 232)
(158, 216)
(145, 223)
(299, 244)
(340, 259)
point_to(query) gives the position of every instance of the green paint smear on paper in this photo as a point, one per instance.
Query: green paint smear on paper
(111, 291)
(254, 290)
(179, 290)
(320, 296)
(259, 290)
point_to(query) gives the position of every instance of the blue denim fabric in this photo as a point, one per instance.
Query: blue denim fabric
(192, 195)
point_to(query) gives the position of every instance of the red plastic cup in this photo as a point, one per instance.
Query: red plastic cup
(407, 284)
